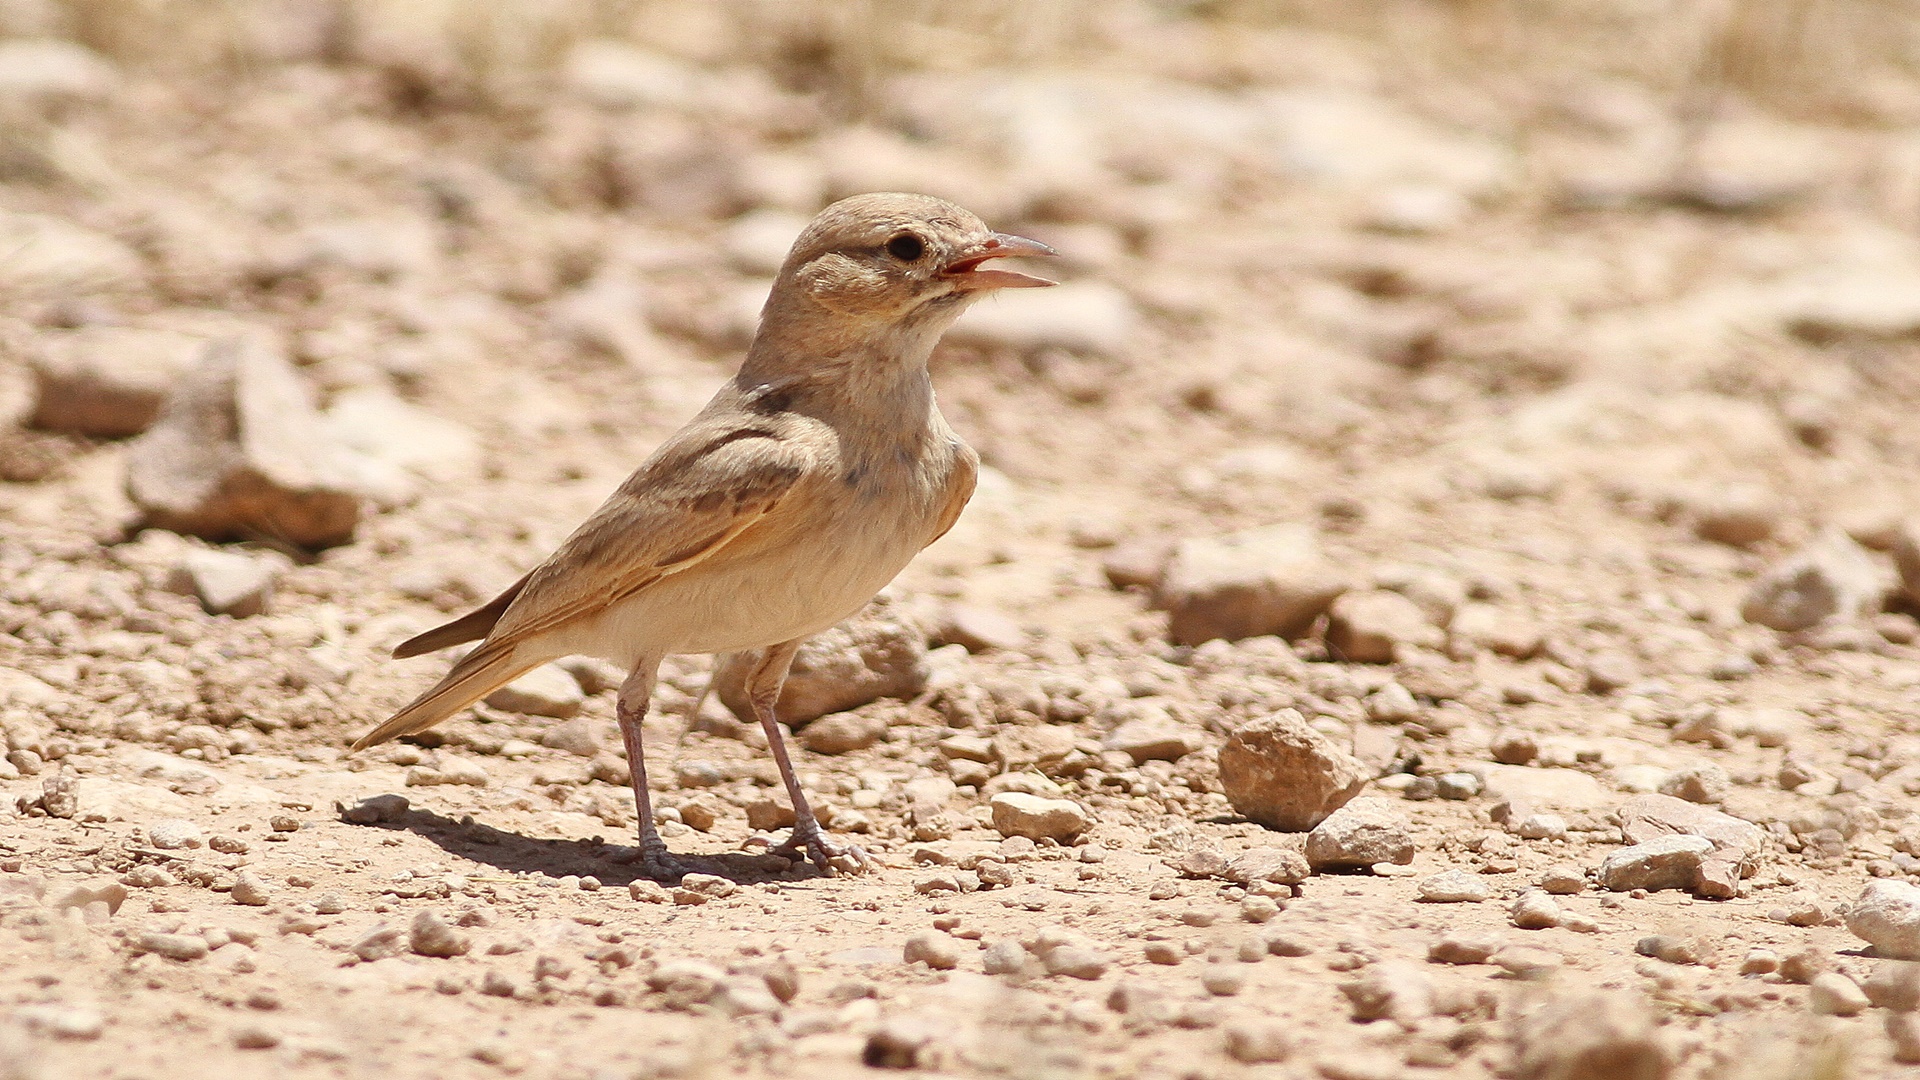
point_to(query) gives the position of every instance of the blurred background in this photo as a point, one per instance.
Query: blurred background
(1448, 280)
(1562, 353)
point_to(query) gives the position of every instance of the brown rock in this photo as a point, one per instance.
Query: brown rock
(1737, 843)
(1375, 626)
(1020, 814)
(976, 629)
(1262, 581)
(766, 815)
(1280, 772)
(1153, 740)
(1736, 516)
(1664, 862)
(1592, 1037)
(1281, 865)
(873, 655)
(108, 381)
(238, 453)
(1831, 578)
(843, 733)
(1906, 556)
(1138, 563)
(1484, 627)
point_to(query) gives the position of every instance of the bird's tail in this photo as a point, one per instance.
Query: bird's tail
(477, 674)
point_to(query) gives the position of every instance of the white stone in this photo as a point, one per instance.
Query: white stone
(397, 450)
(46, 71)
(172, 834)
(547, 690)
(50, 255)
(1361, 833)
(1831, 578)
(233, 583)
(1886, 915)
(1455, 887)
(1019, 814)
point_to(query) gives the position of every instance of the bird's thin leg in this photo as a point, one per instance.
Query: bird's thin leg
(631, 708)
(763, 690)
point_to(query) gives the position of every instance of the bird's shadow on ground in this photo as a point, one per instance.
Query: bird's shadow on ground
(611, 864)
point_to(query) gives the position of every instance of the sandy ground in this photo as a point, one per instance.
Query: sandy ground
(1518, 359)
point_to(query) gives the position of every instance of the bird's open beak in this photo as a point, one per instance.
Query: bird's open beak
(966, 274)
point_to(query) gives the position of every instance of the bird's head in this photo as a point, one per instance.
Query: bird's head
(889, 259)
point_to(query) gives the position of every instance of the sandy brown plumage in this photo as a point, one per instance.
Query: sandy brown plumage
(803, 487)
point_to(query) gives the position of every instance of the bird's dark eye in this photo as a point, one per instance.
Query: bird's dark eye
(906, 247)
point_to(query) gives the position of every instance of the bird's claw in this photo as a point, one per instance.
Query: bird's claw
(656, 862)
(831, 856)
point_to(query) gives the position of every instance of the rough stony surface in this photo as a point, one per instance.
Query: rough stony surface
(1283, 774)
(1549, 365)
(237, 453)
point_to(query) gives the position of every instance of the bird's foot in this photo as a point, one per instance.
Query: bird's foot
(831, 856)
(655, 861)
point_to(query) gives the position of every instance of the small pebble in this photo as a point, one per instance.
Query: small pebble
(1076, 961)
(1004, 958)
(1162, 952)
(1541, 827)
(1464, 947)
(430, 935)
(1535, 910)
(1256, 1040)
(1803, 966)
(1564, 880)
(172, 834)
(1673, 950)
(1454, 887)
(1760, 962)
(254, 1037)
(1833, 994)
(1259, 909)
(181, 947)
(1223, 980)
(936, 950)
(248, 889)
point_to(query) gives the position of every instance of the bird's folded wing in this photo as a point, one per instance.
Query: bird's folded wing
(966, 473)
(687, 503)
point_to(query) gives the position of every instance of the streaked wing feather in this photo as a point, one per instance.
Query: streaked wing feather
(688, 502)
